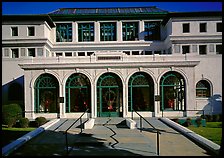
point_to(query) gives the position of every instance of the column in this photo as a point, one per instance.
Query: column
(75, 32)
(119, 31)
(141, 31)
(96, 31)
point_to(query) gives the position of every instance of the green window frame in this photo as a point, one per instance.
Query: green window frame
(130, 31)
(172, 92)
(108, 31)
(109, 92)
(46, 89)
(77, 93)
(85, 32)
(64, 32)
(140, 92)
(152, 31)
(203, 89)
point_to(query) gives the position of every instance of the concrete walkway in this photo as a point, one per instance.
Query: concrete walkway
(109, 136)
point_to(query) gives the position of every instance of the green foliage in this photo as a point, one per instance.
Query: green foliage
(40, 121)
(24, 122)
(187, 123)
(10, 114)
(212, 131)
(212, 118)
(198, 121)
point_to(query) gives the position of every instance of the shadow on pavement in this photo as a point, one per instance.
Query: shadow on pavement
(53, 143)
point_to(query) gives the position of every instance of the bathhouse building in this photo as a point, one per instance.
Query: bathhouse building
(113, 61)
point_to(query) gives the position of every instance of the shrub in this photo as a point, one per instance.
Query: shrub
(208, 118)
(40, 121)
(10, 114)
(24, 122)
(187, 123)
(198, 121)
(215, 118)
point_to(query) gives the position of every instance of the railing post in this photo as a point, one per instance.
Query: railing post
(157, 142)
(66, 136)
(140, 124)
(132, 114)
(81, 124)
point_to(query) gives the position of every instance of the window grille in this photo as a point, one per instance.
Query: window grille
(85, 32)
(130, 31)
(202, 89)
(108, 31)
(63, 32)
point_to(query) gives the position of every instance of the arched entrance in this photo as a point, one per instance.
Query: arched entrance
(172, 92)
(109, 96)
(46, 90)
(140, 92)
(77, 93)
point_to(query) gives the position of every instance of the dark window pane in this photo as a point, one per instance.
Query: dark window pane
(185, 49)
(15, 53)
(203, 27)
(14, 31)
(31, 31)
(219, 27)
(218, 49)
(152, 31)
(202, 50)
(31, 52)
(186, 28)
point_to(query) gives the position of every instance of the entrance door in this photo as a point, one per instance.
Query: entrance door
(109, 96)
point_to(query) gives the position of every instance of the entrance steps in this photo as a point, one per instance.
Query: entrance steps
(108, 120)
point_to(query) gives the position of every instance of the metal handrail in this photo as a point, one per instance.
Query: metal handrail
(157, 130)
(66, 131)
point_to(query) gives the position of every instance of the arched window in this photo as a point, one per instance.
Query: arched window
(140, 92)
(172, 91)
(109, 95)
(77, 93)
(203, 89)
(46, 94)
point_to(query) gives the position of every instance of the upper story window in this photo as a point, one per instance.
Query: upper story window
(186, 28)
(152, 31)
(219, 49)
(130, 31)
(64, 32)
(86, 32)
(108, 31)
(31, 52)
(203, 27)
(15, 53)
(185, 49)
(31, 31)
(203, 89)
(219, 27)
(202, 49)
(14, 31)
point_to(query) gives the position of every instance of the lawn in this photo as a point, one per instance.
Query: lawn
(212, 131)
(11, 134)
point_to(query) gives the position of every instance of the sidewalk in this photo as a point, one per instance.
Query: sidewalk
(110, 136)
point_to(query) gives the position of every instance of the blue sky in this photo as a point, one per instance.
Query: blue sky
(46, 7)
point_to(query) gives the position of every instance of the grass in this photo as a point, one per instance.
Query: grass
(11, 134)
(212, 131)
